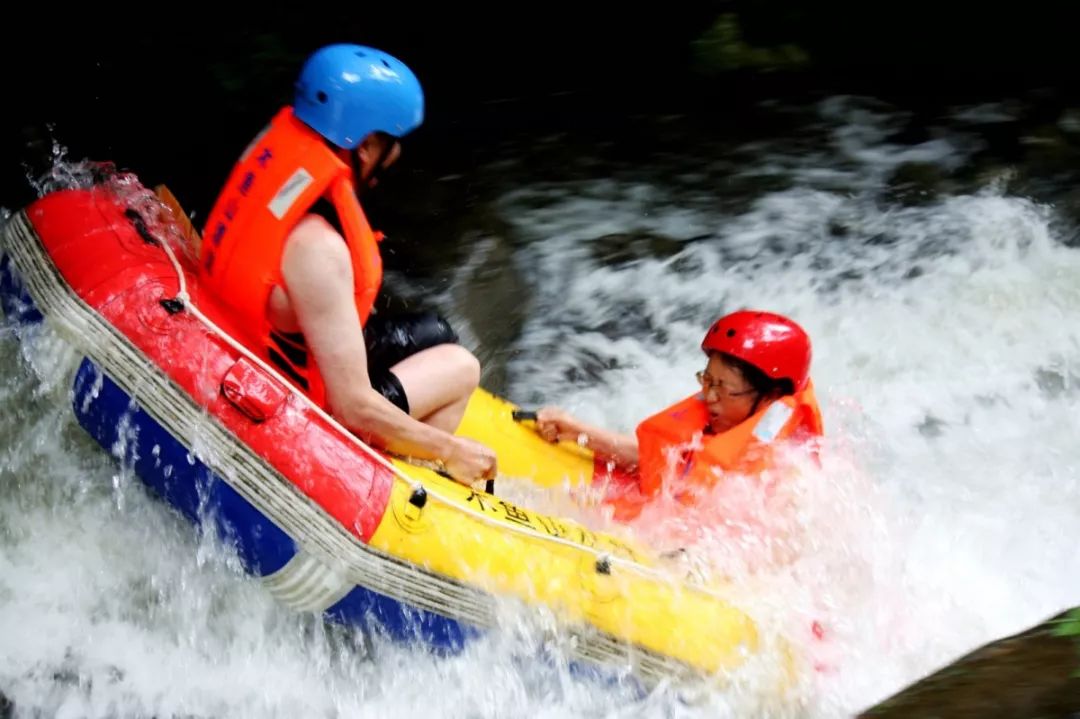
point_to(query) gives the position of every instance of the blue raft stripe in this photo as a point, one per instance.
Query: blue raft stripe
(123, 429)
(401, 622)
(165, 465)
(16, 302)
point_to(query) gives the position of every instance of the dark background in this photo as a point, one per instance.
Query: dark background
(173, 92)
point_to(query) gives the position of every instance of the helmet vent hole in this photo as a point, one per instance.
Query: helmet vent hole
(731, 333)
(386, 64)
(321, 96)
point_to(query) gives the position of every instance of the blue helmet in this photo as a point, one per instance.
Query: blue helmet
(345, 92)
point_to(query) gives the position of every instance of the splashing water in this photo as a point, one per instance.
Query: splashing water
(944, 511)
(945, 359)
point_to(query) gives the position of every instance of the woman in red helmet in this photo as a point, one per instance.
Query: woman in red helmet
(755, 391)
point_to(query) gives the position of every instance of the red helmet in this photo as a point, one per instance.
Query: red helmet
(771, 342)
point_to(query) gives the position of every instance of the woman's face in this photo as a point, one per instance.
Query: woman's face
(728, 396)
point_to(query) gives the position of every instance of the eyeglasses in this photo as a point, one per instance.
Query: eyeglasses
(708, 383)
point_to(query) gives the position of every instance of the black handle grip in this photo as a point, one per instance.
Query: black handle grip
(523, 415)
(489, 485)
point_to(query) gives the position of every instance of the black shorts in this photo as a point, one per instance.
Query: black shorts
(390, 339)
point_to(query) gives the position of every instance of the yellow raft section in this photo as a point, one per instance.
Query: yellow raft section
(508, 550)
(480, 547)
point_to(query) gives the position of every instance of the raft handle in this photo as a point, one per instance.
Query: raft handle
(603, 565)
(173, 305)
(418, 498)
(523, 415)
(489, 485)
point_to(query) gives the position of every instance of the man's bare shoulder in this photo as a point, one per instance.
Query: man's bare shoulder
(313, 238)
(313, 229)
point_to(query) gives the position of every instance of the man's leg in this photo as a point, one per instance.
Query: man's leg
(415, 361)
(438, 383)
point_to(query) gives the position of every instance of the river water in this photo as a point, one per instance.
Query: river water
(945, 511)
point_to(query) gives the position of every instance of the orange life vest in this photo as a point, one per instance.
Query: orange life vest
(286, 169)
(672, 443)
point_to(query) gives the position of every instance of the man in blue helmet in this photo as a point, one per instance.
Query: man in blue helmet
(289, 250)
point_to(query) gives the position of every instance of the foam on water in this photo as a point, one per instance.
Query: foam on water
(946, 356)
(944, 513)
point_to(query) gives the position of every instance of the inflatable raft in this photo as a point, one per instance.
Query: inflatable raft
(327, 523)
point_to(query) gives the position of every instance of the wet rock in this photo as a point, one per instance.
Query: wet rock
(590, 368)
(1067, 203)
(632, 319)
(1023, 676)
(931, 426)
(914, 183)
(882, 239)
(1055, 383)
(1069, 122)
(495, 300)
(989, 174)
(687, 266)
(741, 190)
(1049, 150)
(625, 247)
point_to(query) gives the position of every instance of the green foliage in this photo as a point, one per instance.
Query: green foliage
(722, 48)
(1068, 625)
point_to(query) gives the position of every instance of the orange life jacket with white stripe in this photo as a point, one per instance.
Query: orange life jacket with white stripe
(673, 444)
(284, 171)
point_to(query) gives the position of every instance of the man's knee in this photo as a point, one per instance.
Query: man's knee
(467, 366)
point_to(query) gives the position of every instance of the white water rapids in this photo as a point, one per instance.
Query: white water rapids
(946, 511)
